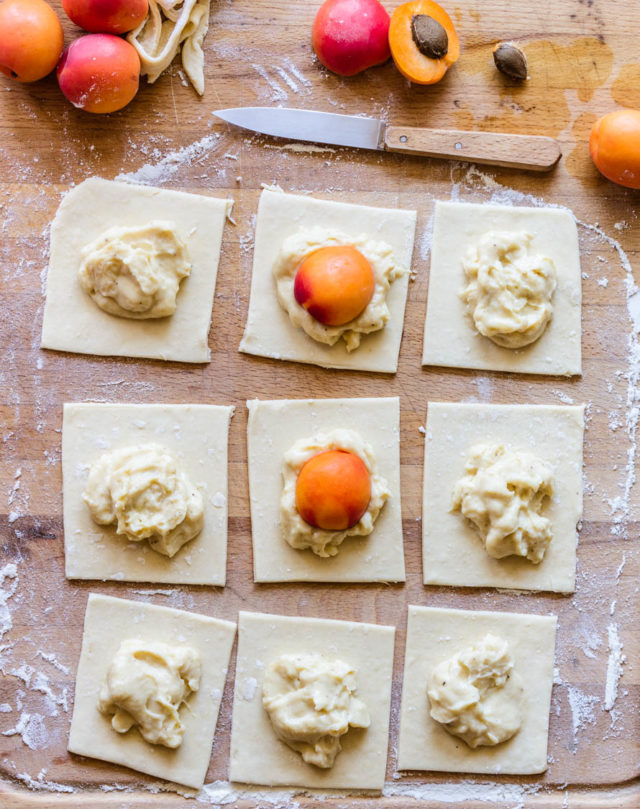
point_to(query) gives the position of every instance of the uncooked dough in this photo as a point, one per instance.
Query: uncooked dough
(108, 622)
(269, 331)
(374, 316)
(274, 426)
(146, 493)
(168, 25)
(476, 694)
(196, 437)
(435, 635)
(298, 533)
(311, 703)
(509, 289)
(452, 553)
(502, 493)
(257, 757)
(450, 338)
(135, 272)
(73, 322)
(145, 687)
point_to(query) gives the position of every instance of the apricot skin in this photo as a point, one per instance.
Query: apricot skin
(350, 36)
(333, 490)
(615, 147)
(107, 16)
(31, 39)
(99, 73)
(334, 284)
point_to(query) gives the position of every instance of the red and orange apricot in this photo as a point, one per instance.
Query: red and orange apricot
(333, 490)
(31, 39)
(334, 284)
(107, 16)
(350, 36)
(99, 73)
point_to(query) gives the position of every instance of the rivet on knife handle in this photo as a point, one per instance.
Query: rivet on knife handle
(531, 152)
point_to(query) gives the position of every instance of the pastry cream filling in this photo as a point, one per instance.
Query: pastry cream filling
(509, 289)
(298, 533)
(373, 317)
(476, 695)
(146, 493)
(146, 683)
(135, 272)
(311, 704)
(502, 494)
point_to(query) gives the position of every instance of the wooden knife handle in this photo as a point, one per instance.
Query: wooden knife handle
(531, 152)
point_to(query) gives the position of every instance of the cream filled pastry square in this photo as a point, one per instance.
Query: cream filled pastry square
(269, 331)
(435, 635)
(110, 621)
(74, 322)
(197, 436)
(274, 428)
(453, 552)
(451, 337)
(257, 754)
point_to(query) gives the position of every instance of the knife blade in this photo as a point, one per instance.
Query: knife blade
(531, 152)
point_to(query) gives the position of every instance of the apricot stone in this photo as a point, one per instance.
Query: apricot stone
(333, 490)
(31, 39)
(107, 16)
(334, 284)
(99, 73)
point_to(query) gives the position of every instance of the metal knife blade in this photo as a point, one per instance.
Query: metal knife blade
(308, 125)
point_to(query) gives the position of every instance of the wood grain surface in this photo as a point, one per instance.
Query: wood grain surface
(583, 61)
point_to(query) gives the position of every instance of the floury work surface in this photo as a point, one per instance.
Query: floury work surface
(580, 67)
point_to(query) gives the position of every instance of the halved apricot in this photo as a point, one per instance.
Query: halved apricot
(334, 284)
(333, 490)
(423, 41)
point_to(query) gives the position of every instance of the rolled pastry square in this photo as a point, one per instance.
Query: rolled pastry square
(435, 635)
(73, 322)
(270, 333)
(450, 336)
(257, 755)
(274, 426)
(452, 550)
(109, 621)
(198, 436)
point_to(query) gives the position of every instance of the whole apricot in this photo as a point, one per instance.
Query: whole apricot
(333, 490)
(615, 147)
(99, 73)
(334, 284)
(107, 16)
(349, 36)
(31, 39)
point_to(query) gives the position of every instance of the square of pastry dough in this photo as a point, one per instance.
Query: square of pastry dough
(435, 635)
(197, 435)
(269, 331)
(74, 322)
(109, 621)
(453, 552)
(450, 336)
(274, 426)
(257, 754)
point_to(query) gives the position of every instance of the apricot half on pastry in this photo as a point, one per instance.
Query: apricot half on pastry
(423, 41)
(334, 284)
(333, 490)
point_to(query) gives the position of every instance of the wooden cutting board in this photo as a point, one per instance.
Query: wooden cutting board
(583, 62)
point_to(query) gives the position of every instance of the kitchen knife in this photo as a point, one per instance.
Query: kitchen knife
(531, 152)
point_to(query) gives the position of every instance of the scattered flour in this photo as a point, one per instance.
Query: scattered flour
(614, 666)
(166, 166)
